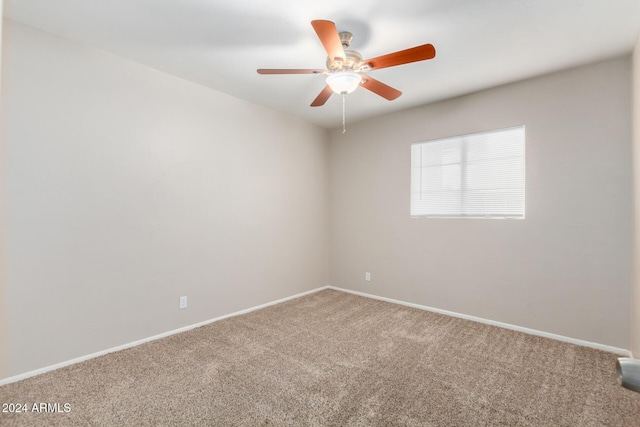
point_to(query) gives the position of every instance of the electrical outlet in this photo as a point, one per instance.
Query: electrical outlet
(367, 276)
(183, 302)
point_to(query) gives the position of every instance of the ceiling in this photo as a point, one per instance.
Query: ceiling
(220, 44)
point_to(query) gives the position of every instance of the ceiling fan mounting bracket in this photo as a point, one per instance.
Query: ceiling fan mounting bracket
(345, 38)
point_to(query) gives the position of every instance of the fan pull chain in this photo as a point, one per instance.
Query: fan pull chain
(344, 115)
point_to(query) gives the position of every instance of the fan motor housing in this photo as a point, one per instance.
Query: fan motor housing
(350, 63)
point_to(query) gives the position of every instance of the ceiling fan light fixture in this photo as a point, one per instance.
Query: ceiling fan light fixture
(344, 81)
(344, 65)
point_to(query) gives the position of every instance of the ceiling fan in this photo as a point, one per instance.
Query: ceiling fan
(345, 67)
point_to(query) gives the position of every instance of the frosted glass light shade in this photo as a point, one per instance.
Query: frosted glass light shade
(344, 81)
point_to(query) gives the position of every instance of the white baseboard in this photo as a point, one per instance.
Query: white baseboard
(144, 340)
(620, 351)
(616, 350)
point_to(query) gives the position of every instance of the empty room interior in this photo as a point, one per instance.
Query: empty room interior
(186, 239)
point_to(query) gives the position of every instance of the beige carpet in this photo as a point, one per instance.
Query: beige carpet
(336, 359)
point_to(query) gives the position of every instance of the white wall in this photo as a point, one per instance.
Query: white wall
(125, 188)
(635, 327)
(565, 269)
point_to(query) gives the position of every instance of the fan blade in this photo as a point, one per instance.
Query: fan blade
(380, 88)
(414, 54)
(322, 97)
(328, 35)
(288, 71)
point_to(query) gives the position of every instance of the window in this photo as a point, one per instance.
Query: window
(469, 176)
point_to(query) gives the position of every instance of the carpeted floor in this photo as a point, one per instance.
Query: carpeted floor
(336, 359)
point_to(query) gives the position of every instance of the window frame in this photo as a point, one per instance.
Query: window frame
(464, 140)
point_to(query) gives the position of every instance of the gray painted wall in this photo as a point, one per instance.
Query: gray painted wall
(3, 301)
(635, 327)
(565, 269)
(126, 188)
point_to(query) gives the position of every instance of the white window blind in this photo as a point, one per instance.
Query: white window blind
(475, 175)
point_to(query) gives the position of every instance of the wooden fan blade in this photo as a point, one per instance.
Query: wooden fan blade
(379, 88)
(288, 71)
(414, 54)
(322, 97)
(328, 35)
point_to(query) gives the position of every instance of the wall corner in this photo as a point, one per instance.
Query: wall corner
(3, 302)
(635, 123)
